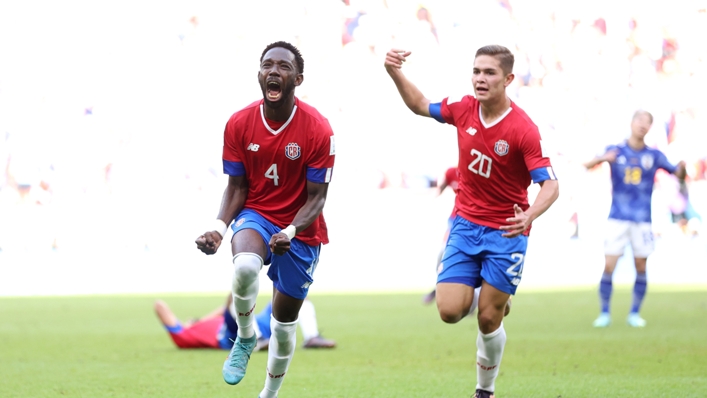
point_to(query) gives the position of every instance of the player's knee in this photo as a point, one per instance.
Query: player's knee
(489, 321)
(246, 269)
(449, 316)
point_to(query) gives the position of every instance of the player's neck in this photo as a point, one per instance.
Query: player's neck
(281, 113)
(492, 109)
(636, 143)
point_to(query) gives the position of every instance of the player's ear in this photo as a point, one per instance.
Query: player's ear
(299, 79)
(509, 79)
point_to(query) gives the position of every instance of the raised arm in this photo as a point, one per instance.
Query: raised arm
(231, 204)
(412, 96)
(312, 208)
(609, 156)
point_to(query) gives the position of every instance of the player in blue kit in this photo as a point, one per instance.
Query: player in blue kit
(633, 169)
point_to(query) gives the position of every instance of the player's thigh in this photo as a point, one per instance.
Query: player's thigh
(459, 266)
(293, 272)
(642, 242)
(251, 234)
(459, 274)
(503, 261)
(454, 299)
(616, 236)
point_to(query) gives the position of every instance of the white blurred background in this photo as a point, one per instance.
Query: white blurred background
(112, 114)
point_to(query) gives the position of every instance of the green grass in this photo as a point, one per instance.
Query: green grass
(389, 346)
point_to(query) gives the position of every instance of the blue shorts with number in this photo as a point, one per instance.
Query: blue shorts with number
(290, 273)
(475, 253)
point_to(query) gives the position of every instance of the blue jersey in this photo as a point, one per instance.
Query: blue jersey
(632, 177)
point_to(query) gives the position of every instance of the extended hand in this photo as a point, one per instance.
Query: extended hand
(394, 59)
(209, 242)
(279, 243)
(520, 223)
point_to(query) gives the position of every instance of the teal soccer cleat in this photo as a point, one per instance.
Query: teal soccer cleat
(635, 320)
(604, 320)
(235, 365)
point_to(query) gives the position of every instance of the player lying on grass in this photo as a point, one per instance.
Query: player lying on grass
(217, 329)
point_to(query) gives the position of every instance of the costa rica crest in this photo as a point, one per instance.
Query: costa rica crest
(292, 151)
(501, 147)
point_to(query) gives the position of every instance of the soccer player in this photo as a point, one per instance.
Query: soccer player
(450, 180)
(500, 152)
(278, 153)
(633, 169)
(218, 329)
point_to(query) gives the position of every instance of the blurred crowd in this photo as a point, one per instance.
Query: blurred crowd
(111, 118)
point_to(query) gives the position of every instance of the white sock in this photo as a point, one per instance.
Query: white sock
(280, 352)
(308, 320)
(245, 291)
(475, 301)
(488, 357)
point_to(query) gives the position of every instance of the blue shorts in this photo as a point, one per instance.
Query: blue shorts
(475, 253)
(290, 273)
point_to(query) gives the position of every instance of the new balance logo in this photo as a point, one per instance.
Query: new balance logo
(253, 147)
(471, 130)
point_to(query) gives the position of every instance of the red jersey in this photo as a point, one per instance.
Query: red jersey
(451, 176)
(495, 161)
(277, 159)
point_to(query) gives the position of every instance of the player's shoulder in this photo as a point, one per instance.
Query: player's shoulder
(311, 116)
(309, 110)
(521, 119)
(462, 99)
(247, 111)
(621, 146)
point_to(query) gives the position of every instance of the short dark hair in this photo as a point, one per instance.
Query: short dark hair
(283, 44)
(504, 55)
(642, 112)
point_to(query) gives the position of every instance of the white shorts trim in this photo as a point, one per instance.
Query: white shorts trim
(620, 233)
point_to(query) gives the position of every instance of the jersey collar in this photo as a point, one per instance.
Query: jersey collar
(267, 126)
(495, 122)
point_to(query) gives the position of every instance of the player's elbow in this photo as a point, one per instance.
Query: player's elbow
(421, 108)
(552, 187)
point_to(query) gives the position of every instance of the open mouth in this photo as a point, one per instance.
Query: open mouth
(273, 90)
(482, 90)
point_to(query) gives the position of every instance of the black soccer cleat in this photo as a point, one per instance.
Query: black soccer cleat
(483, 394)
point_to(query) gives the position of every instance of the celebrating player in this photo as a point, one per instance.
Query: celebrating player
(500, 152)
(633, 168)
(278, 153)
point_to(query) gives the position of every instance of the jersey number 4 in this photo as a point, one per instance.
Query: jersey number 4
(272, 174)
(481, 164)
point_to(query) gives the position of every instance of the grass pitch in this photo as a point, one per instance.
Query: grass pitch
(389, 346)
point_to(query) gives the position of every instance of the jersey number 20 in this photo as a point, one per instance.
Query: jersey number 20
(481, 164)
